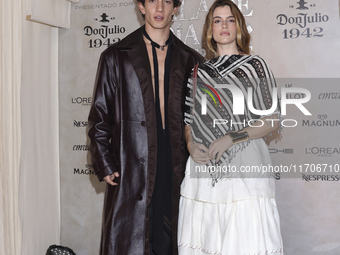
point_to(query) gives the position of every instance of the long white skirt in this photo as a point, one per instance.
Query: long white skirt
(236, 216)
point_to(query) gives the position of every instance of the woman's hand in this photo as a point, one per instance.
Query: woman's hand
(219, 146)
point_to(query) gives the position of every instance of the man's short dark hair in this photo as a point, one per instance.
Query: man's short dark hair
(177, 3)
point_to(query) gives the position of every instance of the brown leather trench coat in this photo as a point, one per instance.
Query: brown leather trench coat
(122, 130)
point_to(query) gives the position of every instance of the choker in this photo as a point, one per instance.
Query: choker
(154, 43)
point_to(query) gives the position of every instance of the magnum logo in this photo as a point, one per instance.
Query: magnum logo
(321, 122)
(87, 171)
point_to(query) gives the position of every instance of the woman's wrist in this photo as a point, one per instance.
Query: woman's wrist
(228, 139)
(189, 143)
(238, 137)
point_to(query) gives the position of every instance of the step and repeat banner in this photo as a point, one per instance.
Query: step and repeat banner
(300, 40)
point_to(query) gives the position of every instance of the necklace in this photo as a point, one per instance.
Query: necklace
(154, 43)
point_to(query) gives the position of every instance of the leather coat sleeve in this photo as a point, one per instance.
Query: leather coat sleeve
(101, 119)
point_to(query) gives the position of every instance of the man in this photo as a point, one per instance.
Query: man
(136, 133)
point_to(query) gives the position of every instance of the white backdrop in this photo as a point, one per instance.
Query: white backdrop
(295, 50)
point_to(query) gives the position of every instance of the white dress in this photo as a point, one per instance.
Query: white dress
(221, 215)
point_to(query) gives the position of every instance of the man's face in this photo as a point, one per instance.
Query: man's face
(158, 13)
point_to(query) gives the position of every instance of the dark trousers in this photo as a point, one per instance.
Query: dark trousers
(166, 248)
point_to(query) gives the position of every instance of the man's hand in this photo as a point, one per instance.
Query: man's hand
(109, 178)
(219, 146)
(199, 153)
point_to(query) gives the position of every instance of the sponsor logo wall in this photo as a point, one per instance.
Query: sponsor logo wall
(298, 39)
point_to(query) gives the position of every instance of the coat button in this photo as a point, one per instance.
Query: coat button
(143, 123)
(141, 160)
(140, 197)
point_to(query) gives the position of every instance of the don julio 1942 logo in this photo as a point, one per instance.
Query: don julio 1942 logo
(106, 34)
(307, 20)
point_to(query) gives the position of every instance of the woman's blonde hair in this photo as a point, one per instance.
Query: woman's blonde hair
(242, 38)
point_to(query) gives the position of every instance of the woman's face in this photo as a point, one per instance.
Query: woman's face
(224, 27)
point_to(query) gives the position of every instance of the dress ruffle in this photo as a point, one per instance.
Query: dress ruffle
(250, 226)
(236, 216)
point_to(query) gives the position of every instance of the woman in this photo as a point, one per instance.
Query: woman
(229, 213)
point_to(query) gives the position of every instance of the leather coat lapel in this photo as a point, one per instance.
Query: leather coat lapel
(140, 61)
(179, 59)
(178, 72)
